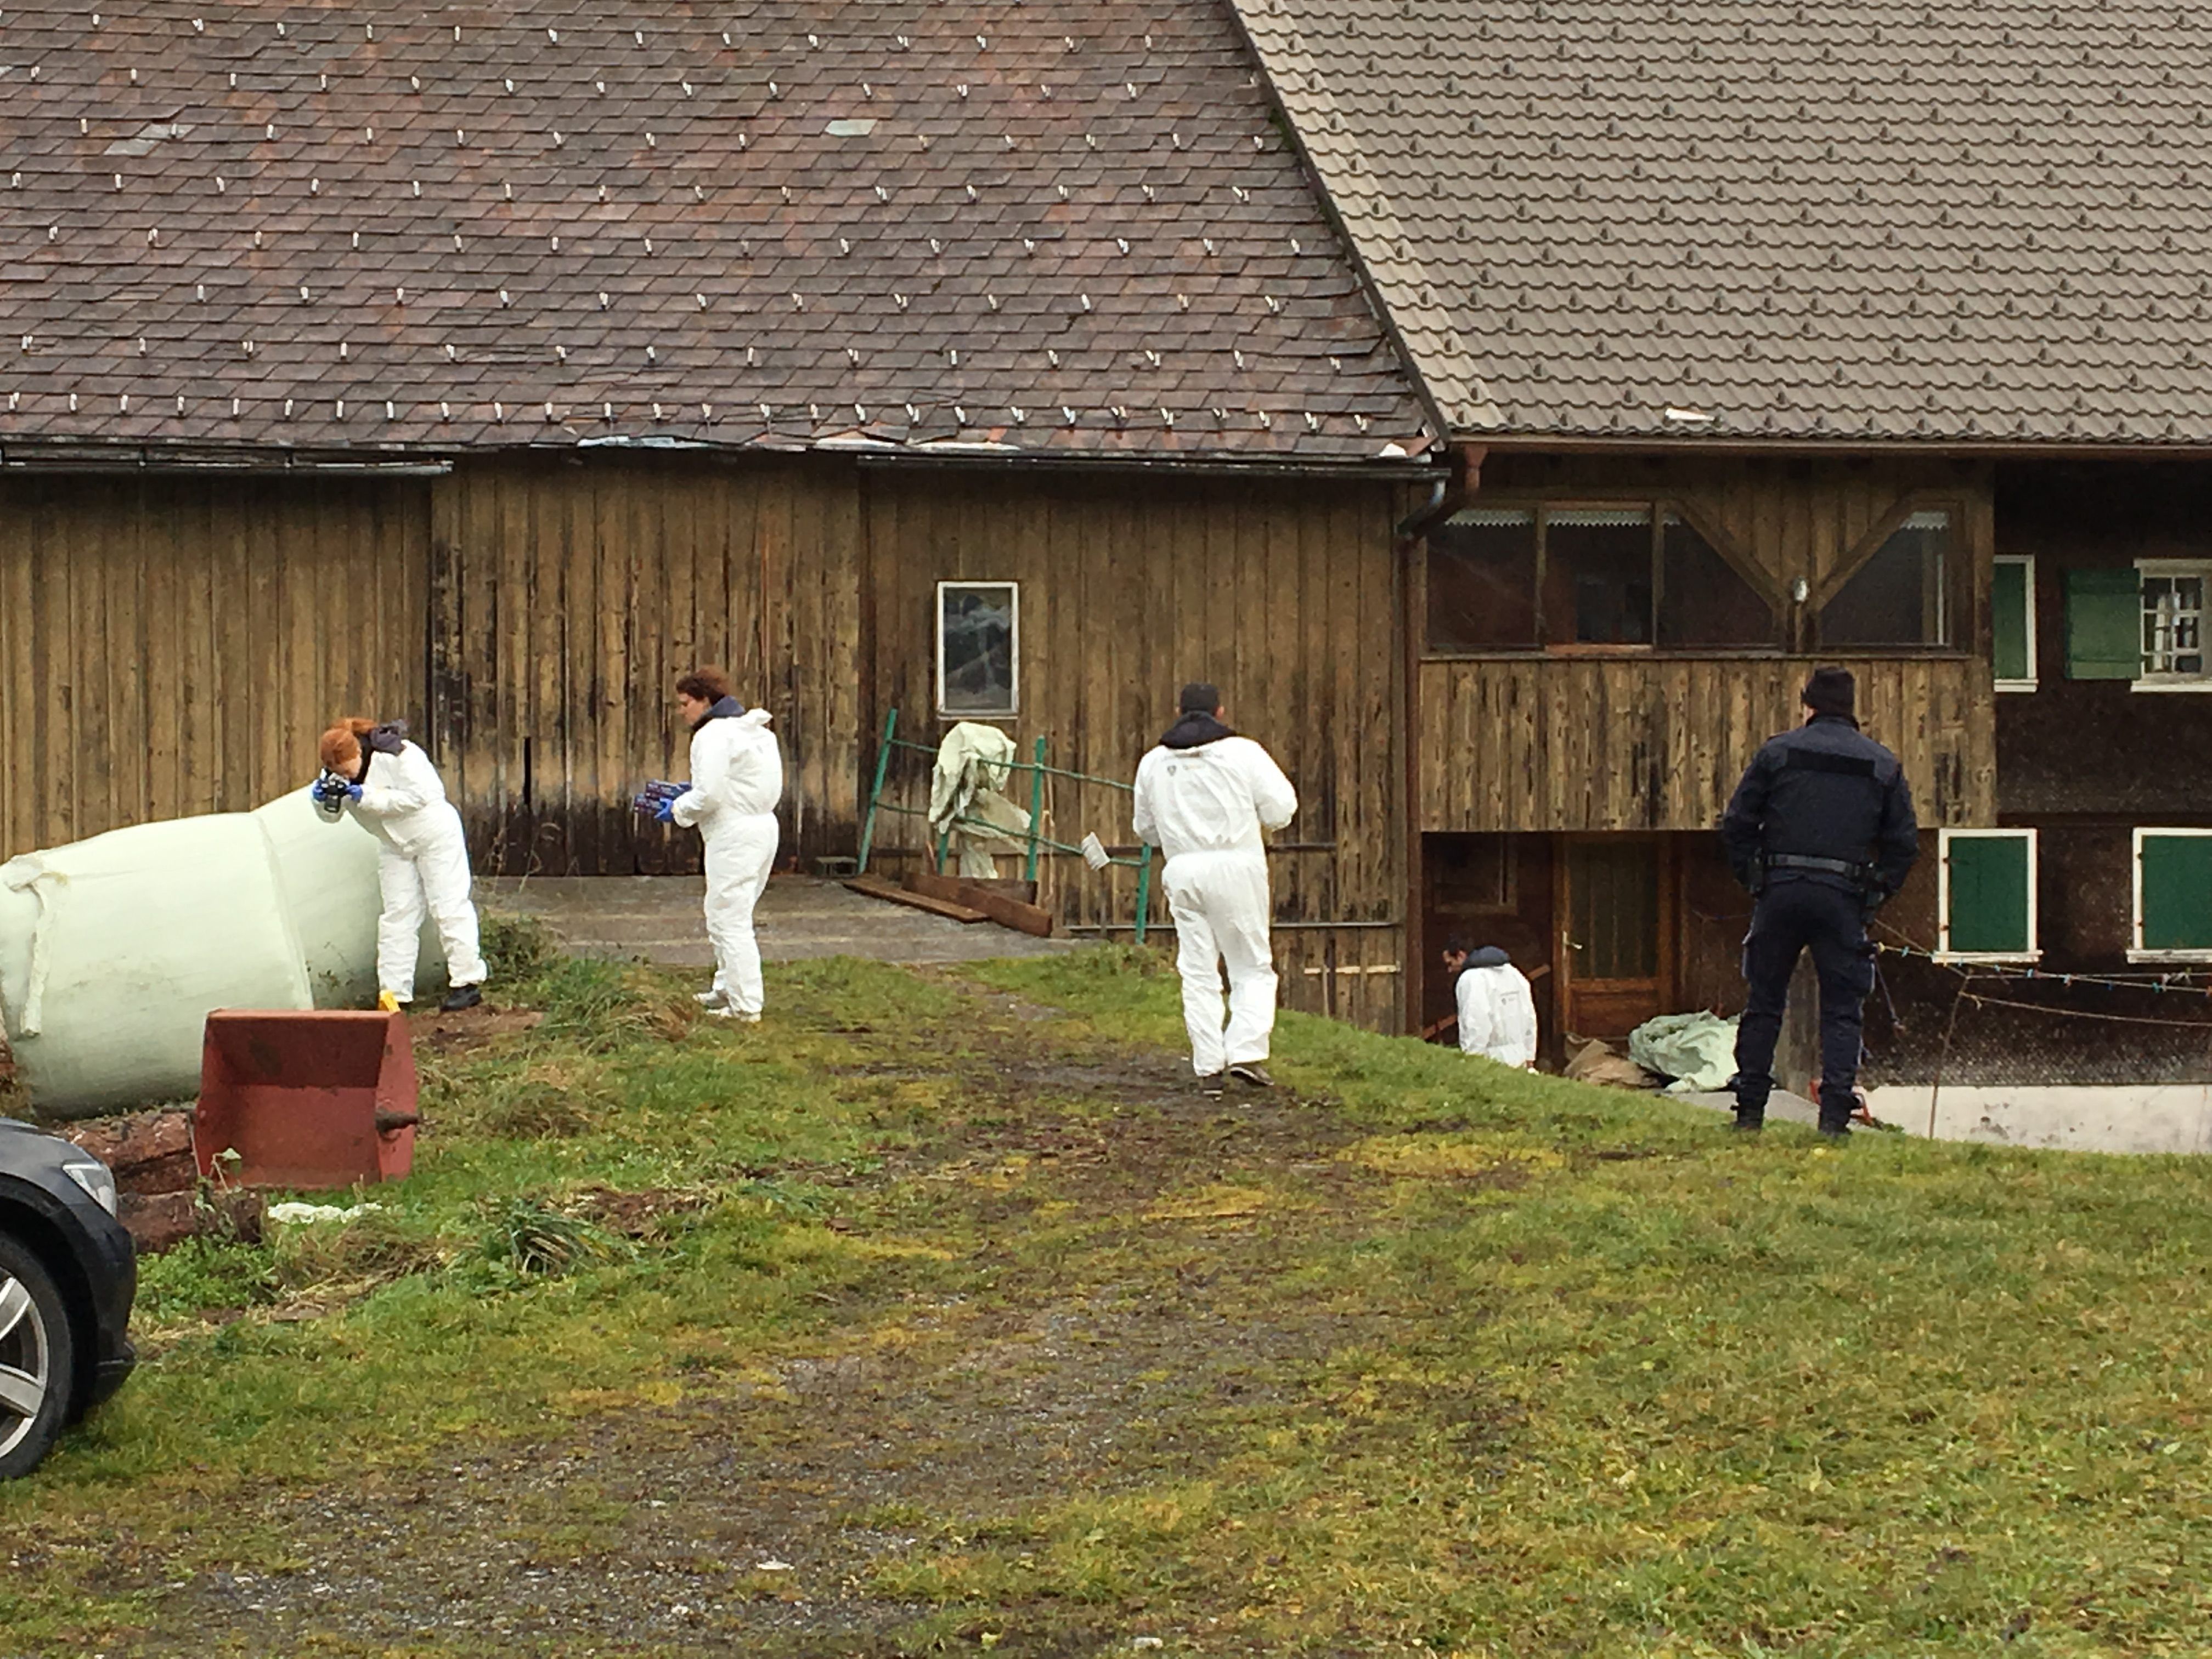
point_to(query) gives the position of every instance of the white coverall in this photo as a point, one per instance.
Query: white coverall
(1497, 1015)
(736, 779)
(1204, 808)
(423, 863)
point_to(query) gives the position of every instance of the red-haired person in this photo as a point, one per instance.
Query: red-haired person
(391, 788)
(736, 779)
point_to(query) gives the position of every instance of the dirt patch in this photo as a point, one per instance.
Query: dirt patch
(472, 1030)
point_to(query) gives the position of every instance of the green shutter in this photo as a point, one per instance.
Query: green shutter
(2177, 892)
(2008, 603)
(2104, 624)
(1989, 895)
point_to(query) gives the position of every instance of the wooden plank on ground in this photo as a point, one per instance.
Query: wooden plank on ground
(1001, 908)
(877, 887)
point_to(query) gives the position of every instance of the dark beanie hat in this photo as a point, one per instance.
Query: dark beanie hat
(1831, 691)
(1199, 698)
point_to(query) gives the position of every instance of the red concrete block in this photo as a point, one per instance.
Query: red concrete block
(306, 1100)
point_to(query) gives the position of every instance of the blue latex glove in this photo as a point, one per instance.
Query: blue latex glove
(664, 813)
(353, 792)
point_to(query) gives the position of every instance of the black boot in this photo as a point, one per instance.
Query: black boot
(461, 996)
(1750, 1118)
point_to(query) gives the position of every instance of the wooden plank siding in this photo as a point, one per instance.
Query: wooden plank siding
(172, 645)
(1657, 742)
(1286, 594)
(571, 596)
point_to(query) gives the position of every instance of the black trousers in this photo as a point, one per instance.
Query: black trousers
(1794, 915)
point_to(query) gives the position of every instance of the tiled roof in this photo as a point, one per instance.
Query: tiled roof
(1057, 225)
(1946, 219)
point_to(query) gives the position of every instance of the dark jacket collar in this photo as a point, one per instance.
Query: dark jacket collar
(1192, 729)
(1833, 719)
(723, 708)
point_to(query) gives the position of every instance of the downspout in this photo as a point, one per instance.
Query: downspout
(1449, 495)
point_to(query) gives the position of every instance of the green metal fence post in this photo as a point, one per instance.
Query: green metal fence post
(1143, 890)
(876, 792)
(1037, 811)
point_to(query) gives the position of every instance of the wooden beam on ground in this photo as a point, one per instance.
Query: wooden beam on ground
(877, 887)
(1001, 908)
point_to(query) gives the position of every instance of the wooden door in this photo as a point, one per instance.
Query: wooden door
(1616, 918)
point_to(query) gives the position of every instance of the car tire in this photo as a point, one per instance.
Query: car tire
(38, 1360)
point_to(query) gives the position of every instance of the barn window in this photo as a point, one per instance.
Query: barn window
(2172, 895)
(2012, 618)
(1702, 600)
(1897, 597)
(1597, 575)
(978, 648)
(1629, 573)
(1482, 580)
(1985, 904)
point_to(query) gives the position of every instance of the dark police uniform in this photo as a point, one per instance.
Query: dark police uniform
(1821, 830)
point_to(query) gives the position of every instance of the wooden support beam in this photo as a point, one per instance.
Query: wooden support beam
(1002, 908)
(877, 887)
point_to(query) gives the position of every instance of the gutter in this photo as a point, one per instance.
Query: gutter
(129, 462)
(2018, 449)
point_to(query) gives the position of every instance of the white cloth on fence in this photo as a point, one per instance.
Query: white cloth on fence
(973, 764)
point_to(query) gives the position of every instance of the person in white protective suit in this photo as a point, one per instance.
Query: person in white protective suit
(1203, 797)
(736, 779)
(1497, 1010)
(422, 864)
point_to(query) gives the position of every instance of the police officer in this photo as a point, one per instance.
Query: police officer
(1822, 831)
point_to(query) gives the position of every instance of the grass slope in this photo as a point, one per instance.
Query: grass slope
(1025, 1349)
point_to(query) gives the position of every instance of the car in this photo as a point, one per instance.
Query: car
(68, 1274)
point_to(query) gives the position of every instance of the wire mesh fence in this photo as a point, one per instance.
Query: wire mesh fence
(1931, 1022)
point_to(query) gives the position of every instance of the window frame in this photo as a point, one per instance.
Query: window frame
(1658, 507)
(2031, 680)
(1012, 710)
(1943, 951)
(1954, 589)
(2135, 951)
(2202, 680)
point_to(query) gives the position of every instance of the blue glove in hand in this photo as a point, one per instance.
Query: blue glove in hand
(665, 812)
(353, 792)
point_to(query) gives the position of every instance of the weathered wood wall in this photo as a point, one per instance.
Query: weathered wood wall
(1658, 743)
(566, 599)
(1286, 594)
(172, 645)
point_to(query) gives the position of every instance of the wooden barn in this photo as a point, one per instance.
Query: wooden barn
(1765, 338)
(489, 370)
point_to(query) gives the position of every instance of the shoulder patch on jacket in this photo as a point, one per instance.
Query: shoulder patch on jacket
(1819, 760)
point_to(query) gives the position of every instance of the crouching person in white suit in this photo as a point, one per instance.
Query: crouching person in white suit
(1202, 798)
(736, 779)
(1497, 1010)
(390, 786)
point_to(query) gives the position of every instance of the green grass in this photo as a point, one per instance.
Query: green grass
(1532, 1368)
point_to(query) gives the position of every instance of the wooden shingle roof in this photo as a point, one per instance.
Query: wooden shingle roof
(1061, 226)
(1902, 219)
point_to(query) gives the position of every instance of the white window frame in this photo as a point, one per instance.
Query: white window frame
(2136, 952)
(1943, 951)
(2026, 561)
(2201, 681)
(1013, 653)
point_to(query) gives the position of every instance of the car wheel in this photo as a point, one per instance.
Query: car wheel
(38, 1360)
